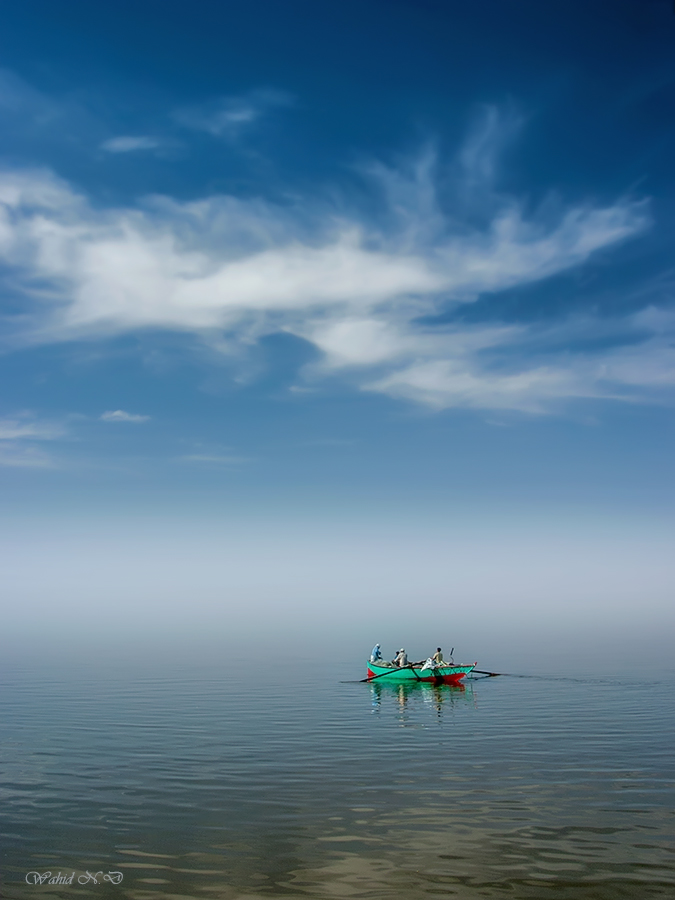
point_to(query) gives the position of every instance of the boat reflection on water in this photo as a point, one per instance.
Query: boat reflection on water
(410, 696)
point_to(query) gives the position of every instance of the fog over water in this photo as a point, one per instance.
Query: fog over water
(506, 593)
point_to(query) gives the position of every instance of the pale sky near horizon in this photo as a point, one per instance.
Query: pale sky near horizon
(315, 310)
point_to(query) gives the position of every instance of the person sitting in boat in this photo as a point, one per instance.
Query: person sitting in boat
(437, 658)
(401, 658)
(376, 655)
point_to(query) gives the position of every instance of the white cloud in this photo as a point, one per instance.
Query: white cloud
(443, 383)
(18, 456)
(232, 270)
(18, 435)
(479, 156)
(522, 368)
(214, 458)
(227, 117)
(130, 144)
(119, 415)
(26, 427)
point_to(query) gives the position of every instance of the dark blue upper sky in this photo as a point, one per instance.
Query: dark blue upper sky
(329, 254)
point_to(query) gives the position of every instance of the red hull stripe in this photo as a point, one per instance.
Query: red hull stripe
(433, 679)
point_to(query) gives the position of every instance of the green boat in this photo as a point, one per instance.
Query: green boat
(443, 674)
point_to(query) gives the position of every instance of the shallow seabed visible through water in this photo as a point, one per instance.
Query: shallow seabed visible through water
(216, 781)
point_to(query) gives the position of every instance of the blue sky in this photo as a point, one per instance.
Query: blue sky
(321, 265)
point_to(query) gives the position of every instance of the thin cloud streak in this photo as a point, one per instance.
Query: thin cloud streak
(214, 458)
(228, 118)
(18, 435)
(119, 415)
(18, 456)
(26, 427)
(130, 144)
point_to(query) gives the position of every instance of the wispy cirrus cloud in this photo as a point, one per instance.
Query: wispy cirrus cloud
(218, 459)
(34, 123)
(120, 415)
(535, 367)
(41, 121)
(363, 292)
(21, 436)
(25, 426)
(131, 144)
(209, 454)
(19, 456)
(228, 117)
(24, 103)
(482, 149)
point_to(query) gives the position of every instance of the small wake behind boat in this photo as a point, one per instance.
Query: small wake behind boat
(441, 674)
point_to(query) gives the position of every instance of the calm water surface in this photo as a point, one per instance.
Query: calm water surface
(215, 781)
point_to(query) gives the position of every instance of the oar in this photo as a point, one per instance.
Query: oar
(490, 674)
(392, 670)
